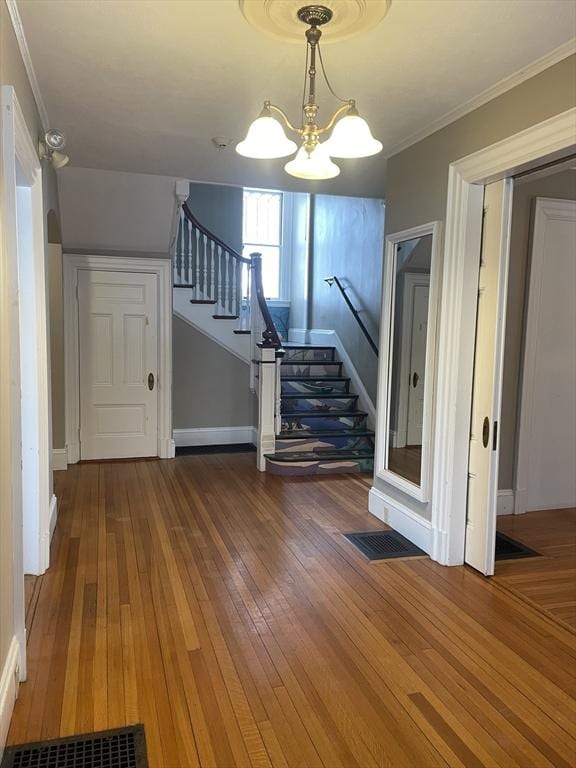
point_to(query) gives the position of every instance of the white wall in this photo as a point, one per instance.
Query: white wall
(116, 211)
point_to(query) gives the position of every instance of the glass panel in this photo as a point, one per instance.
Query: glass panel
(408, 356)
(270, 268)
(262, 217)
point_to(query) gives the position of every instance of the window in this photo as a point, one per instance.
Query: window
(262, 233)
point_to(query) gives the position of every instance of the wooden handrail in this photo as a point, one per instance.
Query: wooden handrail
(355, 313)
(270, 334)
(190, 216)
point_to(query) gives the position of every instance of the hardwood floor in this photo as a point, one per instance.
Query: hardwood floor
(548, 581)
(222, 608)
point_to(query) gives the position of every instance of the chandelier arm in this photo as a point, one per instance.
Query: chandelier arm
(344, 108)
(284, 116)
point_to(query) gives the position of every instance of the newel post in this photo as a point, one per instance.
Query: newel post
(266, 442)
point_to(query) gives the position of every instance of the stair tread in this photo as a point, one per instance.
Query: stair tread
(325, 413)
(290, 345)
(312, 396)
(312, 362)
(315, 378)
(225, 317)
(241, 330)
(327, 455)
(291, 435)
(202, 301)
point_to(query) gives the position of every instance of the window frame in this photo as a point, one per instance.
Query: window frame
(284, 246)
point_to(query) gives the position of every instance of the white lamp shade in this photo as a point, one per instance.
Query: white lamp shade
(266, 140)
(315, 166)
(351, 137)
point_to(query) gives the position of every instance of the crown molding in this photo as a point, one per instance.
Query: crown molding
(544, 62)
(27, 59)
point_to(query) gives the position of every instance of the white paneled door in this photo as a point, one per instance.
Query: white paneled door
(487, 387)
(118, 346)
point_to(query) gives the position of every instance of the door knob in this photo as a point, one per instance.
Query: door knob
(485, 431)
(150, 381)
(415, 379)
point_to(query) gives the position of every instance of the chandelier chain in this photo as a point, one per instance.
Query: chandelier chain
(344, 101)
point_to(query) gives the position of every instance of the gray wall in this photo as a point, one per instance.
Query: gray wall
(560, 185)
(348, 243)
(211, 386)
(418, 177)
(219, 209)
(12, 72)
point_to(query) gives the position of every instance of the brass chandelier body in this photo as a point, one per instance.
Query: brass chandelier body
(354, 138)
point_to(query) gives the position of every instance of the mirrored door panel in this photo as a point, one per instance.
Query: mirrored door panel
(407, 317)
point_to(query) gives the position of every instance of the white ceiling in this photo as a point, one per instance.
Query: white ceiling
(143, 85)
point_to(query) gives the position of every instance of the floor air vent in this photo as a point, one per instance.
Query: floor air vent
(119, 748)
(509, 549)
(383, 545)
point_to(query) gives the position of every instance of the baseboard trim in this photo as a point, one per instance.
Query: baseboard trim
(297, 335)
(214, 436)
(8, 691)
(505, 502)
(331, 339)
(59, 459)
(414, 527)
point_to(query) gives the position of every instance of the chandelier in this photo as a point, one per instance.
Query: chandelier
(350, 137)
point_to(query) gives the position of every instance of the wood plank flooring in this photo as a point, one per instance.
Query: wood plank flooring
(548, 582)
(223, 609)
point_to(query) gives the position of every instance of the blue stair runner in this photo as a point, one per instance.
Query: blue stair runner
(323, 431)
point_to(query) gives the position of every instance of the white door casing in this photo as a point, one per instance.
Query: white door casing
(118, 335)
(546, 448)
(162, 268)
(549, 140)
(417, 374)
(487, 383)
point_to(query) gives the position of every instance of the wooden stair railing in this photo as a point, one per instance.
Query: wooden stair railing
(213, 270)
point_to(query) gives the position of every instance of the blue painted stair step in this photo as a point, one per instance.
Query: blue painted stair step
(323, 430)
(323, 385)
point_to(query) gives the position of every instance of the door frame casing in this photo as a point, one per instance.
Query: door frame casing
(543, 142)
(19, 152)
(162, 268)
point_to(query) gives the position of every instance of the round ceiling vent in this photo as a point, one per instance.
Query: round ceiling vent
(279, 18)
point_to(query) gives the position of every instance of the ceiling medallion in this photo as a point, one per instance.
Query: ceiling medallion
(350, 134)
(280, 19)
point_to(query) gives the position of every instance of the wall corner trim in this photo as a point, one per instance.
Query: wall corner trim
(402, 519)
(27, 59)
(505, 502)
(8, 690)
(59, 459)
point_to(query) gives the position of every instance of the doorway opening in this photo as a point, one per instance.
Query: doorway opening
(536, 503)
(523, 419)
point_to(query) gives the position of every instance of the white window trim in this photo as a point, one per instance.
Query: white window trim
(286, 244)
(73, 263)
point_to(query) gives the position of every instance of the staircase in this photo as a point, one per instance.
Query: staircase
(308, 421)
(323, 432)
